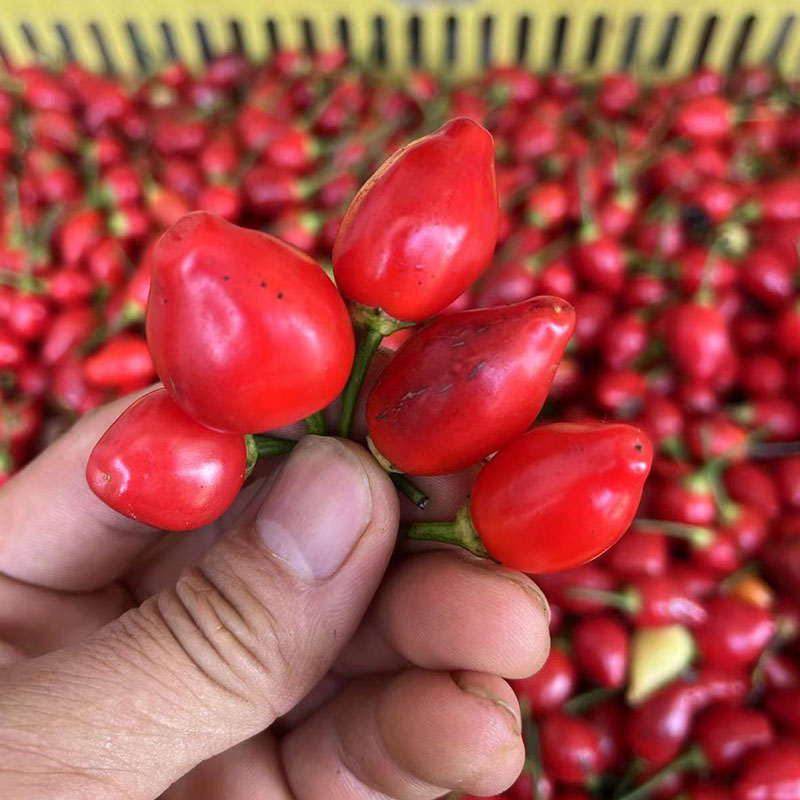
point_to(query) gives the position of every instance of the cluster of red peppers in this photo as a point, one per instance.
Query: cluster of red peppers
(617, 260)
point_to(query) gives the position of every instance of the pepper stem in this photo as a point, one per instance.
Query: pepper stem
(368, 345)
(696, 535)
(692, 760)
(628, 600)
(459, 531)
(412, 492)
(271, 445)
(315, 423)
(371, 325)
(583, 702)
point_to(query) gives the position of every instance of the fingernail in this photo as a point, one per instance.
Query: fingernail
(317, 508)
(539, 595)
(477, 684)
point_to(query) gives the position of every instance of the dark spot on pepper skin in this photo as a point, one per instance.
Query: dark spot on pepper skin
(263, 284)
(638, 447)
(476, 369)
(226, 278)
(280, 295)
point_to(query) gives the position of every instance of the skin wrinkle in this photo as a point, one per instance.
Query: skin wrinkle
(206, 605)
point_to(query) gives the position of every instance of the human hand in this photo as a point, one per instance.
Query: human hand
(283, 652)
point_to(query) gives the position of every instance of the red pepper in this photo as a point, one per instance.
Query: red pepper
(727, 734)
(467, 384)
(530, 502)
(637, 555)
(735, 633)
(660, 727)
(570, 749)
(697, 338)
(246, 333)
(551, 686)
(419, 232)
(771, 774)
(157, 465)
(601, 650)
(121, 362)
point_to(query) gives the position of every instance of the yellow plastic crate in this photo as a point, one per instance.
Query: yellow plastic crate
(461, 36)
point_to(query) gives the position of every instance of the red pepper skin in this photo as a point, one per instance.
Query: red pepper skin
(551, 686)
(157, 465)
(661, 600)
(705, 119)
(570, 749)
(123, 360)
(67, 331)
(771, 774)
(246, 332)
(781, 671)
(752, 484)
(784, 706)
(523, 789)
(659, 727)
(608, 719)
(601, 650)
(79, 234)
(735, 633)
(466, 384)
(697, 339)
(638, 555)
(726, 735)
(720, 685)
(424, 227)
(559, 587)
(707, 791)
(530, 502)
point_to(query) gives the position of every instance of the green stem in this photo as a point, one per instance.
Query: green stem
(459, 531)
(587, 700)
(272, 445)
(696, 535)
(412, 492)
(315, 423)
(692, 760)
(368, 345)
(627, 601)
(533, 755)
(628, 780)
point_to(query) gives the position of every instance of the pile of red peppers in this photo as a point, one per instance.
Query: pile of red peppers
(586, 294)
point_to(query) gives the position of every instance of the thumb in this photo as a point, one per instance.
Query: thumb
(237, 642)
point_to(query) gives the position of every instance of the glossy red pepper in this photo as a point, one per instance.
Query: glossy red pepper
(418, 233)
(467, 384)
(123, 361)
(246, 333)
(735, 633)
(601, 650)
(157, 465)
(727, 734)
(697, 339)
(771, 774)
(784, 707)
(659, 728)
(551, 686)
(551, 480)
(637, 555)
(570, 749)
